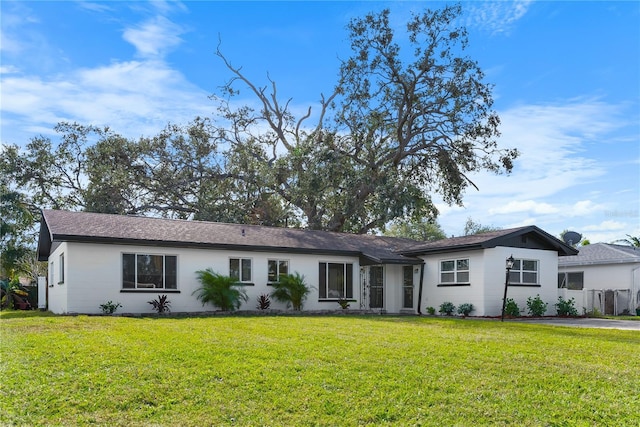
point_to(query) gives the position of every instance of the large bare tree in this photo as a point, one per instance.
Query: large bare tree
(405, 120)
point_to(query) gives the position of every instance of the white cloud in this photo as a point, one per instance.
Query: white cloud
(134, 98)
(553, 141)
(155, 37)
(496, 17)
(9, 69)
(554, 181)
(606, 226)
(95, 6)
(16, 33)
(525, 206)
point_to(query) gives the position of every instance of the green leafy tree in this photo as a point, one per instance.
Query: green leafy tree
(17, 232)
(292, 290)
(633, 241)
(221, 291)
(422, 230)
(54, 174)
(471, 227)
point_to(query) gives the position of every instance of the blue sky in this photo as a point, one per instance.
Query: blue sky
(566, 76)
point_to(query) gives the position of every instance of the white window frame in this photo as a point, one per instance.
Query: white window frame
(278, 273)
(516, 275)
(137, 284)
(240, 277)
(457, 271)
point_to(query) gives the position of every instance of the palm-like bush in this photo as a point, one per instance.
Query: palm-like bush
(222, 291)
(161, 304)
(292, 289)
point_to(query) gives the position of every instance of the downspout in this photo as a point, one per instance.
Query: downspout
(420, 288)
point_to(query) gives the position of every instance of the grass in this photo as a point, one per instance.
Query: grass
(308, 371)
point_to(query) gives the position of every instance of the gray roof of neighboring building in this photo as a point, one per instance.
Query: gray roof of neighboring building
(59, 226)
(602, 253)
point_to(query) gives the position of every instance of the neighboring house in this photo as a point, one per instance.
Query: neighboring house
(95, 258)
(602, 276)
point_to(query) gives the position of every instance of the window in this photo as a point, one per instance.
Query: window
(275, 268)
(142, 271)
(61, 269)
(335, 280)
(571, 281)
(524, 272)
(454, 271)
(240, 269)
(51, 274)
(407, 286)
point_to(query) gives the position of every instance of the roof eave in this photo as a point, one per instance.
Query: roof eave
(45, 239)
(441, 249)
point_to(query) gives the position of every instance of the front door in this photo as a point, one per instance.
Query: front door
(376, 286)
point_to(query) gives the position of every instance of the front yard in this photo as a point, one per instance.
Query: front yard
(325, 370)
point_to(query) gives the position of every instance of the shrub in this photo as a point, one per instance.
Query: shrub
(223, 292)
(431, 311)
(465, 309)
(593, 313)
(264, 302)
(344, 304)
(447, 308)
(511, 308)
(536, 306)
(566, 307)
(292, 289)
(161, 304)
(110, 307)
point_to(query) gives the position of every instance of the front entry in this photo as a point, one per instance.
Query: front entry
(376, 287)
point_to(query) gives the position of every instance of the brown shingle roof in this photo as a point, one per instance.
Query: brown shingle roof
(59, 226)
(524, 237)
(83, 226)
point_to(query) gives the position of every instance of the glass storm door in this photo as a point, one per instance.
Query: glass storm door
(376, 286)
(407, 286)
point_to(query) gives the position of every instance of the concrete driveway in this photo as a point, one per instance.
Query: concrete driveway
(589, 322)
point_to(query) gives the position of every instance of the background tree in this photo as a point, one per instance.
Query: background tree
(17, 233)
(29, 266)
(471, 227)
(633, 241)
(422, 230)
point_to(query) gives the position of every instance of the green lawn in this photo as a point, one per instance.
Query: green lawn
(304, 371)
